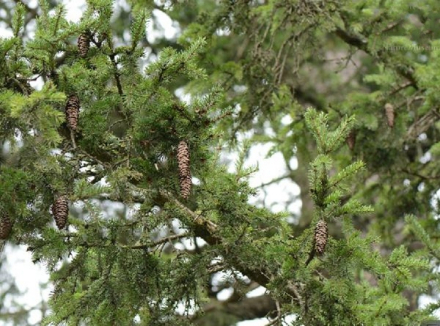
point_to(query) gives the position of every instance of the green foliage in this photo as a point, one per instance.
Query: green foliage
(327, 141)
(137, 252)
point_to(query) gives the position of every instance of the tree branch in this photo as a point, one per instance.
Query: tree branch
(208, 230)
(361, 44)
(245, 309)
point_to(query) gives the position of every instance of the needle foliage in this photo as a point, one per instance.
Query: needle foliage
(157, 232)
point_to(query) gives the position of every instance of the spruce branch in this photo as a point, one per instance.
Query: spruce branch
(33, 13)
(347, 172)
(244, 309)
(424, 177)
(317, 123)
(137, 29)
(215, 268)
(179, 108)
(208, 232)
(362, 44)
(93, 158)
(168, 239)
(116, 73)
(422, 235)
(198, 219)
(337, 137)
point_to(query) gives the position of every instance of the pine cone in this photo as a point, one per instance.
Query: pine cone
(60, 211)
(351, 139)
(184, 169)
(5, 227)
(389, 112)
(72, 111)
(321, 235)
(83, 45)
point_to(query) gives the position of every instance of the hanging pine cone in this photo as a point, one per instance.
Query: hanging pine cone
(351, 139)
(60, 211)
(5, 227)
(184, 169)
(72, 111)
(389, 112)
(83, 45)
(321, 235)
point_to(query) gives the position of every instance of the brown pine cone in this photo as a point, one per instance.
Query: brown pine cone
(389, 112)
(321, 235)
(351, 139)
(60, 211)
(184, 169)
(5, 227)
(83, 45)
(72, 111)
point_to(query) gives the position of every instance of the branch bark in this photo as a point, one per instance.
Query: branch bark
(245, 309)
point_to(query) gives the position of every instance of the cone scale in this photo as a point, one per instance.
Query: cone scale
(321, 235)
(389, 112)
(72, 111)
(83, 45)
(60, 211)
(183, 158)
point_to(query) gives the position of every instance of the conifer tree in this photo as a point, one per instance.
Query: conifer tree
(117, 185)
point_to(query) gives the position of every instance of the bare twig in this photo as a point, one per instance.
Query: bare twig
(216, 268)
(72, 137)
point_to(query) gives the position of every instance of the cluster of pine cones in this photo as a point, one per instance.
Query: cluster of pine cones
(73, 104)
(60, 207)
